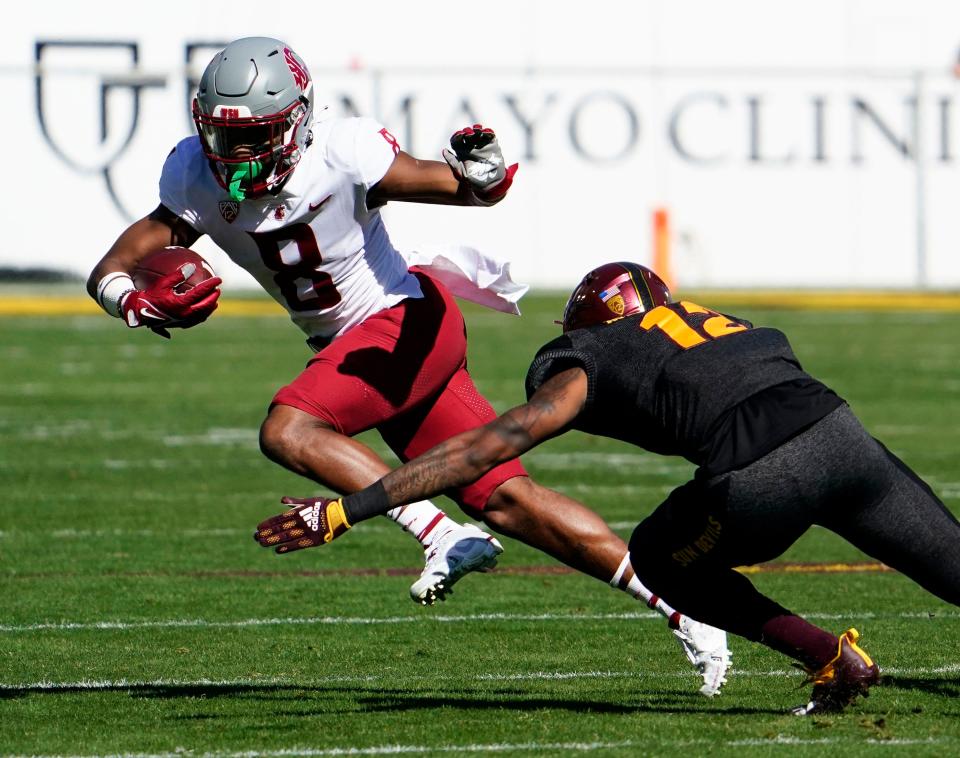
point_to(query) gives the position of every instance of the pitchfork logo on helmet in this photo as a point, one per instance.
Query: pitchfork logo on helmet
(611, 292)
(253, 112)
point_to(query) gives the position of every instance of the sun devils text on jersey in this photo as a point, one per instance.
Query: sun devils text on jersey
(684, 380)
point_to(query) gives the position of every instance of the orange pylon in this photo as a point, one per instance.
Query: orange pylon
(661, 247)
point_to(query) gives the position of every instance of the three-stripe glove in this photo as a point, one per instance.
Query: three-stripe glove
(310, 522)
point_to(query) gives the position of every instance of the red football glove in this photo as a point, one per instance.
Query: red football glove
(477, 161)
(313, 521)
(160, 307)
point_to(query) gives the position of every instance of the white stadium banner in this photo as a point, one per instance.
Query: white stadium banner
(819, 151)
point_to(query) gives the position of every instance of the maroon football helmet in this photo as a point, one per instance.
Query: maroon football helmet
(612, 291)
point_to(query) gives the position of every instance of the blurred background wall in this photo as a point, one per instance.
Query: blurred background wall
(780, 144)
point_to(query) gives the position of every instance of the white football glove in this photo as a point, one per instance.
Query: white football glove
(477, 161)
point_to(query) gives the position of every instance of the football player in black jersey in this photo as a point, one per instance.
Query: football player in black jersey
(776, 450)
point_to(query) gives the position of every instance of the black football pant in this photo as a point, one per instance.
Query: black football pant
(832, 474)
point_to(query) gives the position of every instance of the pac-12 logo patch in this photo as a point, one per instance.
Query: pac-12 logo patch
(229, 209)
(616, 304)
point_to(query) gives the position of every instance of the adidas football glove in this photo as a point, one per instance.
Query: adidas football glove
(311, 522)
(160, 307)
(477, 161)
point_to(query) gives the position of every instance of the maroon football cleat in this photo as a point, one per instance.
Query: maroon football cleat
(842, 680)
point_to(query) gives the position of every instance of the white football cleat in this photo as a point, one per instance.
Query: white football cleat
(455, 555)
(706, 648)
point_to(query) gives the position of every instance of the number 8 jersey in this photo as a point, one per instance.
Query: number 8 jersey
(314, 246)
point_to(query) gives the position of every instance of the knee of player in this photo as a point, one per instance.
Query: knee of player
(507, 508)
(279, 434)
(517, 493)
(501, 521)
(271, 438)
(520, 506)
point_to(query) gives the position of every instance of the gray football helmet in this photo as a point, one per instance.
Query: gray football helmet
(253, 112)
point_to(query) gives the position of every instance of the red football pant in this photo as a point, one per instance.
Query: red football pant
(403, 372)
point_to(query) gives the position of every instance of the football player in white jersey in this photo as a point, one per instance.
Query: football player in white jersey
(296, 204)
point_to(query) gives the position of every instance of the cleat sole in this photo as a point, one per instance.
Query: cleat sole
(483, 561)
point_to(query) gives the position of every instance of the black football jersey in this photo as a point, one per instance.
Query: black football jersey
(668, 381)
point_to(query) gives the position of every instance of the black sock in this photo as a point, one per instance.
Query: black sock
(366, 503)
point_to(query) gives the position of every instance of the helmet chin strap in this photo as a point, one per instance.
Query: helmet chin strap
(250, 170)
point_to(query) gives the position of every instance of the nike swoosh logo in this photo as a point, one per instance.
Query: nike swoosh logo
(150, 313)
(316, 206)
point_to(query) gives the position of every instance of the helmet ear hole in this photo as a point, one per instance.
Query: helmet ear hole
(611, 292)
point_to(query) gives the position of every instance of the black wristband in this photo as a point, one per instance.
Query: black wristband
(367, 503)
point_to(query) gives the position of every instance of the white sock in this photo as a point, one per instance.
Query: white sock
(634, 587)
(423, 520)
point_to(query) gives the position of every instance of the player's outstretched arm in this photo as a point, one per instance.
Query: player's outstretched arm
(159, 229)
(474, 174)
(160, 305)
(468, 456)
(458, 461)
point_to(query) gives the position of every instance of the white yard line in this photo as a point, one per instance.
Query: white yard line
(105, 685)
(424, 618)
(503, 747)
(83, 534)
(318, 620)
(529, 747)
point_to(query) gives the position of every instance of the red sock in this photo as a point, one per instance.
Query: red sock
(800, 639)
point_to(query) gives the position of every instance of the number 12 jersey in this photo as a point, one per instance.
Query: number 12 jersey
(684, 380)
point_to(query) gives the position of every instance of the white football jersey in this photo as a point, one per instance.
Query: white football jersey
(315, 246)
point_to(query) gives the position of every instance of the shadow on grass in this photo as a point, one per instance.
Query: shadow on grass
(360, 699)
(934, 686)
(198, 690)
(658, 703)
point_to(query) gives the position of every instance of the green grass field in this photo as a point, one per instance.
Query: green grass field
(139, 617)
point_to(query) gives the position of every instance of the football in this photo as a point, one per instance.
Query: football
(166, 260)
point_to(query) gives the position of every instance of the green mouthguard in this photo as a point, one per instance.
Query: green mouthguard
(249, 170)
